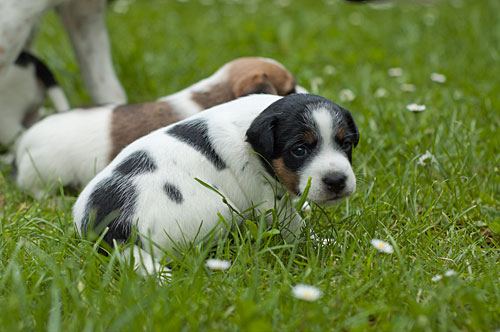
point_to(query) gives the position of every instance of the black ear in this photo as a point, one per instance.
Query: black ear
(352, 127)
(261, 134)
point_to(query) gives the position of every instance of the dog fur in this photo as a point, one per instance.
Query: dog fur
(29, 81)
(74, 146)
(84, 20)
(251, 150)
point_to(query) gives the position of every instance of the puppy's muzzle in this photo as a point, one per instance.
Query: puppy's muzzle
(335, 182)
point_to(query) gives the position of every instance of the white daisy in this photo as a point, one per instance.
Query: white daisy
(415, 107)
(437, 277)
(217, 264)
(438, 78)
(329, 70)
(395, 72)
(306, 292)
(325, 240)
(346, 95)
(427, 156)
(407, 87)
(315, 83)
(450, 273)
(382, 246)
(381, 93)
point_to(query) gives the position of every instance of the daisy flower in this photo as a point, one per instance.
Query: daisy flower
(315, 83)
(437, 277)
(346, 95)
(395, 72)
(382, 246)
(407, 87)
(381, 93)
(306, 292)
(329, 70)
(450, 273)
(415, 108)
(425, 157)
(438, 78)
(217, 264)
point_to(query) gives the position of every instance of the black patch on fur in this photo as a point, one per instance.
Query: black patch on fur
(173, 193)
(112, 203)
(280, 128)
(137, 163)
(195, 133)
(42, 72)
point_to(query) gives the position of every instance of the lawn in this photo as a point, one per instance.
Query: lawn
(428, 182)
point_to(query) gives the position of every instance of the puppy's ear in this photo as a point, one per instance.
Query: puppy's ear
(255, 83)
(261, 135)
(352, 127)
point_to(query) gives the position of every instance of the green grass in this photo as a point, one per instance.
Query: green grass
(436, 216)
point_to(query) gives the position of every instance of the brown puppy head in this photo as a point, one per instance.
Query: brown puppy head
(245, 76)
(260, 75)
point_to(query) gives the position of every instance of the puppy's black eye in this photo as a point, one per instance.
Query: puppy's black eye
(300, 152)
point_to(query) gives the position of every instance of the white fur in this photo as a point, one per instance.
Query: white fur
(49, 144)
(243, 182)
(85, 22)
(83, 146)
(19, 92)
(58, 98)
(329, 159)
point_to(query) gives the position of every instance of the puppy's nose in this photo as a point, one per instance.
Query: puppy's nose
(335, 182)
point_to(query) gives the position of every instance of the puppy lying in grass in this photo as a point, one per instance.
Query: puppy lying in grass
(74, 146)
(251, 151)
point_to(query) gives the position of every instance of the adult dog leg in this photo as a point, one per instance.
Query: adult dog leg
(85, 22)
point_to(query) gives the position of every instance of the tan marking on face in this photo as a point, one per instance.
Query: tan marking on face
(289, 179)
(308, 137)
(2, 50)
(246, 76)
(341, 133)
(130, 122)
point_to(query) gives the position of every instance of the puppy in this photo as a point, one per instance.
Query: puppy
(23, 93)
(72, 147)
(251, 150)
(84, 20)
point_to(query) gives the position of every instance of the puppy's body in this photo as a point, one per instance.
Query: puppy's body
(151, 184)
(72, 147)
(23, 92)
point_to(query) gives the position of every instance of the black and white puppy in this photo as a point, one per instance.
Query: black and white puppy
(251, 150)
(22, 94)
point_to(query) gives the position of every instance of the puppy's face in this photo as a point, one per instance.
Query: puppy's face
(306, 136)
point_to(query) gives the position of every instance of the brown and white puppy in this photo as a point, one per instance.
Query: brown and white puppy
(74, 146)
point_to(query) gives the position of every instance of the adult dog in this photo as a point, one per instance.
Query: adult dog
(72, 147)
(251, 151)
(84, 21)
(28, 82)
